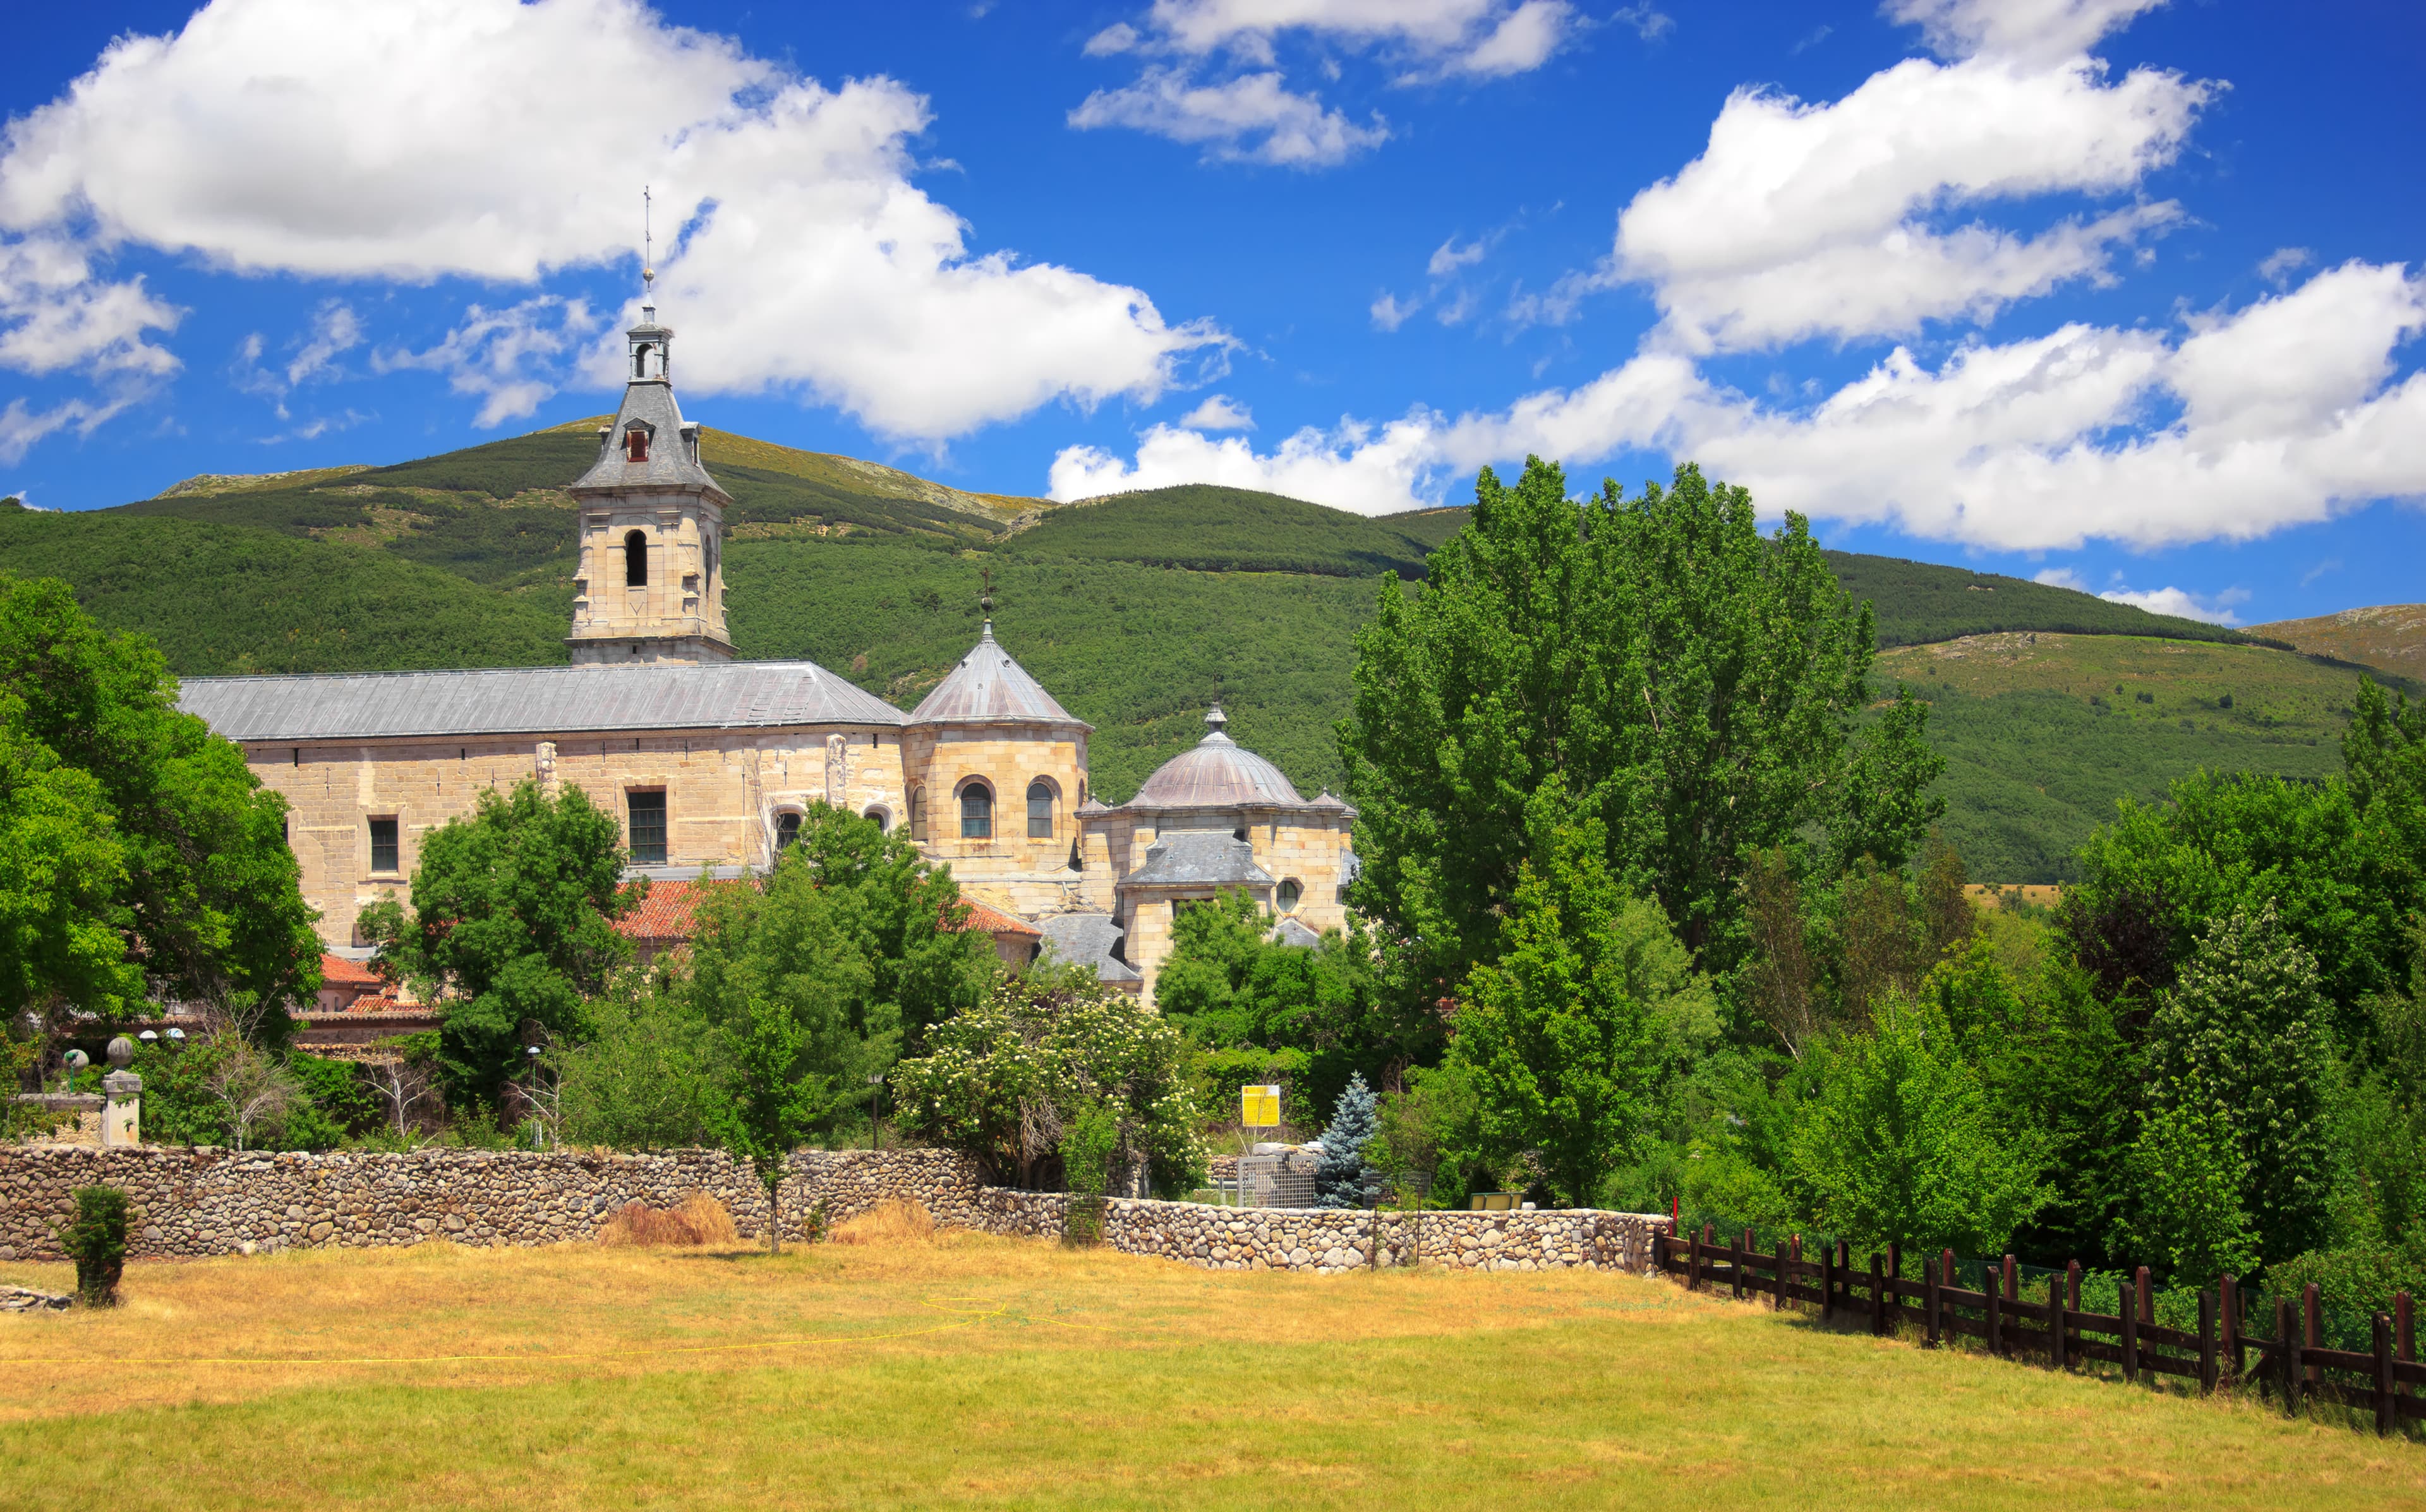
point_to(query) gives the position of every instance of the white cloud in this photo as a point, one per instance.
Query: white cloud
(1390, 312)
(1219, 412)
(1528, 36)
(510, 358)
(1801, 221)
(2060, 577)
(2039, 443)
(2182, 605)
(2024, 28)
(1368, 469)
(494, 139)
(55, 313)
(2283, 262)
(1254, 118)
(20, 426)
(1649, 22)
(335, 329)
(1449, 257)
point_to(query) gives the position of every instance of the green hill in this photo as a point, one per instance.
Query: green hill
(1136, 610)
(1224, 530)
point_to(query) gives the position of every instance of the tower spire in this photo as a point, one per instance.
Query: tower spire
(648, 251)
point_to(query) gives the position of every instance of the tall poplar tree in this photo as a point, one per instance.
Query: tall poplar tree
(1692, 685)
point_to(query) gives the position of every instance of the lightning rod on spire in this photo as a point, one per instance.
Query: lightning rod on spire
(648, 246)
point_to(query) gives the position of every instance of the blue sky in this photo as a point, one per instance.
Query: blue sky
(2122, 295)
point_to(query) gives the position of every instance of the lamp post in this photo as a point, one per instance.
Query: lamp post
(876, 1094)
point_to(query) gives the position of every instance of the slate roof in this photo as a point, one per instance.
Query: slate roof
(1199, 858)
(1089, 939)
(1291, 931)
(1217, 773)
(988, 688)
(532, 701)
(673, 462)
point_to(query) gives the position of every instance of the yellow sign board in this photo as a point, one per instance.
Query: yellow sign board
(1260, 1107)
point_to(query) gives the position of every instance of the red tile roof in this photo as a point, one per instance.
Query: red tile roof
(995, 922)
(337, 971)
(670, 911)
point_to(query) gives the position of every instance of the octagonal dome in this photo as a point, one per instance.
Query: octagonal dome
(1217, 773)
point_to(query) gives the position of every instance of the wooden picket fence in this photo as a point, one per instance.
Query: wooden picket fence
(2290, 1362)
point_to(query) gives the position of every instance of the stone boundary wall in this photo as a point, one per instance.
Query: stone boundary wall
(1330, 1241)
(223, 1201)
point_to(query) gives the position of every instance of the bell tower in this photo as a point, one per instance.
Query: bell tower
(650, 584)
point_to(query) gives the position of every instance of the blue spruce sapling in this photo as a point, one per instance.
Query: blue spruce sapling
(1339, 1178)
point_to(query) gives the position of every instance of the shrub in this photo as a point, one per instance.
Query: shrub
(95, 1239)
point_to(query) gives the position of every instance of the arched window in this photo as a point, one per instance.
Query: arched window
(977, 812)
(788, 828)
(883, 820)
(1040, 810)
(641, 361)
(918, 814)
(1288, 894)
(636, 559)
(636, 445)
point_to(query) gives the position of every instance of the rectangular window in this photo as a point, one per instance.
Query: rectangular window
(648, 828)
(383, 852)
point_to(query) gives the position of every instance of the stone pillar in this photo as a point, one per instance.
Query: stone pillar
(122, 1117)
(548, 768)
(837, 768)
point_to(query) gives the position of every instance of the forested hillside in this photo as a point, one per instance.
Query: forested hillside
(1136, 610)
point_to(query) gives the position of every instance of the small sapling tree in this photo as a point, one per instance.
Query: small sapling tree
(1339, 1176)
(95, 1239)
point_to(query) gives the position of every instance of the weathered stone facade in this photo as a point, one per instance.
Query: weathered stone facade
(220, 1201)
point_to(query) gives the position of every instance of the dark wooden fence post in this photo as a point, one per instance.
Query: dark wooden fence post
(1878, 1298)
(2147, 1292)
(1693, 1263)
(2312, 1330)
(2055, 1322)
(2286, 1352)
(2131, 1330)
(1995, 1315)
(2227, 1299)
(1777, 1293)
(1827, 1282)
(2207, 1342)
(2385, 1419)
(1929, 1302)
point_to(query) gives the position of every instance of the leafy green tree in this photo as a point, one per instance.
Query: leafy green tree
(1340, 1175)
(783, 977)
(2335, 872)
(95, 1239)
(1564, 1056)
(2246, 1025)
(1004, 1080)
(63, 915)
(2189, 1172)
(1687, 682)
(778, 1091)
(1896, 1141)
(1232, 987)
(510, 930)
(644, 1077)
(1426, 1129)
(183, 850)
(904, 917)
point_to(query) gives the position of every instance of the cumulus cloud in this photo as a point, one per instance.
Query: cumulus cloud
(1254, 118)
(2283, 411)
(1449, 257)
(1804, 221)
(1219, 412)
(1253, 115)
(20, 425)
(1368, 469)
(56, 313)
(1389, 311)
(507, 358)
(2283, 262)
(424, 138)
(2023, 28)
(2182, 605)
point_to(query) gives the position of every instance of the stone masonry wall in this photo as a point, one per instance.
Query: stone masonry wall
(219, 1202)
(1328, 1241)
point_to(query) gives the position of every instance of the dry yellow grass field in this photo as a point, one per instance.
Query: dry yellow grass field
(917, 1369)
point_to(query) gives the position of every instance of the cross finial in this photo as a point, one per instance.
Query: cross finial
(648, 247)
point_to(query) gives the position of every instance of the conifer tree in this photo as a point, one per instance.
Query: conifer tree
(1339, 1180)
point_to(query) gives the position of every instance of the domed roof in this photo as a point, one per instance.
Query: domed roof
(988, 688)
(1218, 773)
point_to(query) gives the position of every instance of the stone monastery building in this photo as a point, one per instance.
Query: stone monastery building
(710, 762)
